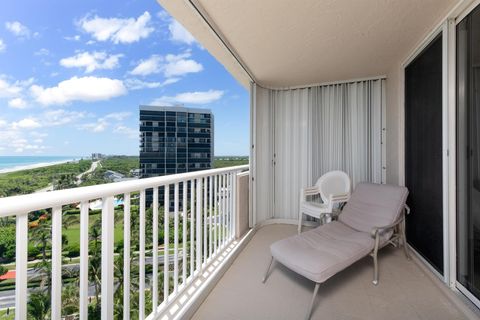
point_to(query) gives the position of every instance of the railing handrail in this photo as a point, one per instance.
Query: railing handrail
(21, 204)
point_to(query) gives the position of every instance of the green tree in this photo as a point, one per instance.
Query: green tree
(41, 236)
(7, 242)
(70, 299)
(38, 305)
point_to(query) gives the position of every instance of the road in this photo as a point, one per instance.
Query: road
(93, 167)
(78, 179)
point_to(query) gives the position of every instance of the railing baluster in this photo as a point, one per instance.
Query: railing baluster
(175, 245)
(210, 216)
(21, 261)
(234, 204)
(166, 256)
(126, 256)
(192, 227)
(215, 228)
(141, 257)
(56, 307)
(228, 207)
(199, 225)
(184, 233)
(84, 207)
(230, 198)
(107, 258)
(205, 208)
(155, 251)
(224, 209)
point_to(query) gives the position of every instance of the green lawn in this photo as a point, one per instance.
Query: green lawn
(73, 231)
(4, 316)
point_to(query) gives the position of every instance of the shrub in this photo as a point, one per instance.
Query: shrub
(73, 250)
(33, 251)
(7, 243)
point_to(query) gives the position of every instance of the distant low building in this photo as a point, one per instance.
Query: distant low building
(135, 172)
(97, 156)
(113, 176)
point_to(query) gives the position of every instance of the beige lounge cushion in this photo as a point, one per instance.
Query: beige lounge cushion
(373, 205)
(320, 253)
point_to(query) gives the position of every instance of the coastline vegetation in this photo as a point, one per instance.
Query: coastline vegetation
(31, 180)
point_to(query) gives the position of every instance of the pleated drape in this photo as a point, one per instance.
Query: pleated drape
(304, 133)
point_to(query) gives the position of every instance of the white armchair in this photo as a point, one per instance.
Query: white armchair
(334, 187)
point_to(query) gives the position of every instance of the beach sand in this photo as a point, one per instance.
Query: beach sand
(36, 165)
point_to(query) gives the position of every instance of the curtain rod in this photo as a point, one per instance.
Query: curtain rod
(322, 84)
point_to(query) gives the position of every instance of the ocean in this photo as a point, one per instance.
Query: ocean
(8, 163)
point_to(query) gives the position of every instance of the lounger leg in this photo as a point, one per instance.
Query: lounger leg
(315, 291)
(265, 277)
(375, 260)
(404, 240)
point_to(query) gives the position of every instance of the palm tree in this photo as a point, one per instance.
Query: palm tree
(38, 305)
(70, 299)
(41, 236)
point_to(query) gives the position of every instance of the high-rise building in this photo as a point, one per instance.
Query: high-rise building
(175, 140)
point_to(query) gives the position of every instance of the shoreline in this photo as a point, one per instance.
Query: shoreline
(36, 165)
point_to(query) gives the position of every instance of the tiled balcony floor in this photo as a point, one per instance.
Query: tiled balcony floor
(404, 291)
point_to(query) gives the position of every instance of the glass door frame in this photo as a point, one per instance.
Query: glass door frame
(448, 28)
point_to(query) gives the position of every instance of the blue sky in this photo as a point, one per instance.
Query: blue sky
(73, 73)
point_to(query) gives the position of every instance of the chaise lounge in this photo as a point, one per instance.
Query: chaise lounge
(373, 218)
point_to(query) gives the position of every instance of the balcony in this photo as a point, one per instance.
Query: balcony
(215, 261)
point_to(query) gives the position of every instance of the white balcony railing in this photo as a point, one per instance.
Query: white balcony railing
(203, 203)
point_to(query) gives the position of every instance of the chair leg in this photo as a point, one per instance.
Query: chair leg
(375, 260)
(265, 277)
(300, 222)
(315, 291)
(404, 240)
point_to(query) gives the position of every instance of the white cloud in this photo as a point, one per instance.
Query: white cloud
(8, 89)
(148, 66)
(118, 30)
(177, 65)
(73, 38)
(198, 97)
(179, 34)
(104, 122)
(37, 134)
(27, 123)
(61, 117)
(96, 127)
(119, 116)
(17, 103)
(17, 29)
(136, 84)
(2, 45)
(129, 132)
(42, 52)
(92, 61)
(87, 89)
(171, 65)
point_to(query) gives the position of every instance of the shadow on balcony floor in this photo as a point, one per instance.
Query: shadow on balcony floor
(404, 291)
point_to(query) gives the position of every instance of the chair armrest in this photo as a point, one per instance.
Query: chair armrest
(335, 198)
(310, 191)
(375, 230)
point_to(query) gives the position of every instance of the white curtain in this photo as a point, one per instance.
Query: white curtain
(347, 129)
(304, 133)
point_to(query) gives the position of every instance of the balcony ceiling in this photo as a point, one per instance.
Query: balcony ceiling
(290, 43)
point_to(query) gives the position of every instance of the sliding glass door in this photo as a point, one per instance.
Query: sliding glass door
(468, 152)
(423, 153)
